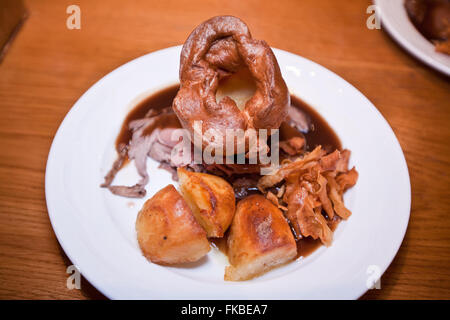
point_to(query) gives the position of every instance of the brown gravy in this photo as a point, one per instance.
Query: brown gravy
(157, 101)
(319, 134)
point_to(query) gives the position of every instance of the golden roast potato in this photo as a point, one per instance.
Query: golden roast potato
(210, 198)
(167, 231)
(260, 239)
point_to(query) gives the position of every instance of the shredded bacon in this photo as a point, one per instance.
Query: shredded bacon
(293, 146)
(281, 191)
(336, 198)
(288, 168)
(312, 188)
(342, 164)
(347, 180)
(329, 162)
(323, 196)
(274, 199)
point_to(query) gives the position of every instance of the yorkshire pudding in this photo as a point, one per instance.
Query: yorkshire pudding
(218, 48)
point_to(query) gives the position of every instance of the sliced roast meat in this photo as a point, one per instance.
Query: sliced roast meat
(298, 119)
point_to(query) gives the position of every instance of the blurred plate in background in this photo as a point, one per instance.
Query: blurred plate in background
(396, 22)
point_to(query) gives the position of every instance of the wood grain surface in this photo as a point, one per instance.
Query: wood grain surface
(48, 67)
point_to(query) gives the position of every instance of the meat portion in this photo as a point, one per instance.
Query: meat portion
(152, 136)
(122, 153)
(298, 119)
(293, 146)
(312, 190)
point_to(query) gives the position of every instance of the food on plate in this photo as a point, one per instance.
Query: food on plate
(210, 198)
(260, 239)
(432, 19)
(167, 231)
(312, 185)
(216, 49)
(149, 136)
(147, 130)
(228, 80)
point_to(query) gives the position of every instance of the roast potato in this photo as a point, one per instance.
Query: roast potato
(167, 231)
(260, 239)
(210, 198)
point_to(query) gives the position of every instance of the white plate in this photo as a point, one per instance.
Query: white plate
(96, 229)
(396, 21)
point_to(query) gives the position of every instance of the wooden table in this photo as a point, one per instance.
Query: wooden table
(48, 67)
